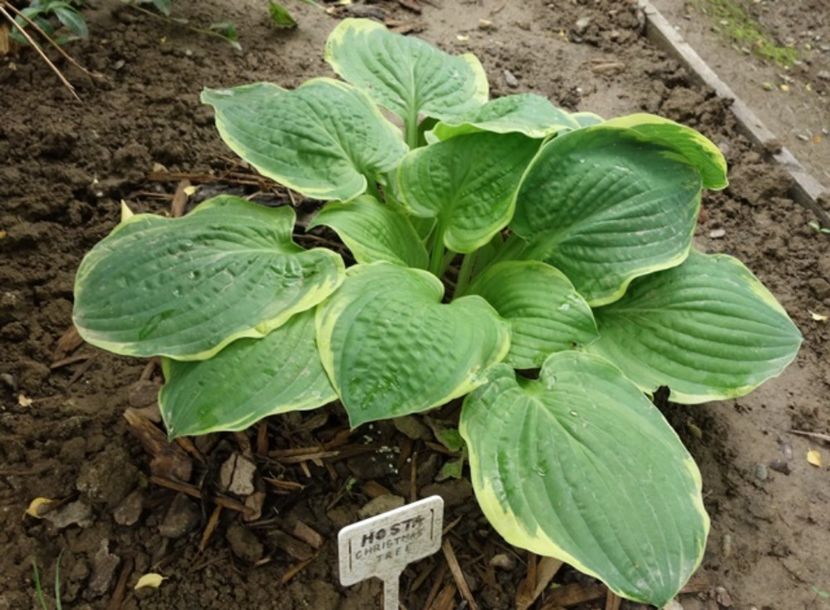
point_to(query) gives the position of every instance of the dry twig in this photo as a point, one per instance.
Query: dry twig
(38, 49)
(458, 575)
(816, 435)
(60, 49)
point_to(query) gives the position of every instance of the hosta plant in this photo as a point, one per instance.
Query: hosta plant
(536, 262)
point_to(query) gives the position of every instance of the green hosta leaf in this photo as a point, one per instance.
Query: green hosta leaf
(526, 113)
(374, 232)
(452, 469)
(691, 146)
(580, 466)
(406, 75)
(587, 119)
(321, 139)
(390, 347)
(186, 287)
(248, 380)
(545, 312)
(469, 183)
(605, 207)
(446, 433)
(707, 329)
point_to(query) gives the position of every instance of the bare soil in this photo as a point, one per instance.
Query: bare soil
(66, 167)
(792, 101)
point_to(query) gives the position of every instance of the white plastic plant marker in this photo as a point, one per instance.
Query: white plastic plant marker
(382, 546)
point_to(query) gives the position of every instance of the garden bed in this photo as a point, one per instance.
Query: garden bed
(141, 130)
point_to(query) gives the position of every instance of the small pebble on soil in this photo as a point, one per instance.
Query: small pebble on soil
(182, 517)
(244, 544)
(379, 505)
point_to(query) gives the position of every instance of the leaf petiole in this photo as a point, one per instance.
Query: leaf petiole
(436, 257)
(465, 273)
(411, 126)
(372, 188)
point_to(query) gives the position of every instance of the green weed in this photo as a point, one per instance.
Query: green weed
(734, 21)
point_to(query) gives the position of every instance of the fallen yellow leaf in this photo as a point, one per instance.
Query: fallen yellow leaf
(24, 401)
(151, 580)
(818, 317)
(3, 234)
(814, 458)
(38, 506)
(189, 190)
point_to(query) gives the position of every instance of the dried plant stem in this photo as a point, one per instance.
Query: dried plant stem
(59, 48)
(171, 20)
(39, 50)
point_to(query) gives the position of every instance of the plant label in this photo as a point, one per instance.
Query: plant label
(382, 546)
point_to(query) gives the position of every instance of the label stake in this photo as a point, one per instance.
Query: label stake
(391, 590)
(382, 546)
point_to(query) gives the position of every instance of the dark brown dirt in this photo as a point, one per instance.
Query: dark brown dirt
(66, 167)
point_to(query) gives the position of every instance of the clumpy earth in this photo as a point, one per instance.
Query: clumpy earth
(139, 130)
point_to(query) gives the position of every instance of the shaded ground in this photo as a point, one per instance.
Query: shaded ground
(66, 167)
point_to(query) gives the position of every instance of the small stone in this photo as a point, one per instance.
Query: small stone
(717, 233)
(180, 518)
(820, 287)
(503, 561)
(824, 75)
(75, 513)
(129, 511)
(722, 597)
(103, 569)
(582, 24)
(727, 546)
(108, 477)
(118, 65)
(244, 544)
(412, 427)
(9, 381)
(237, 475)
(510, 79)
(253, 506)
(455, 492)
(779, 465)
(761, 472)
(341, 516)
(379, 505)
(673, 605)
(142, 393)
